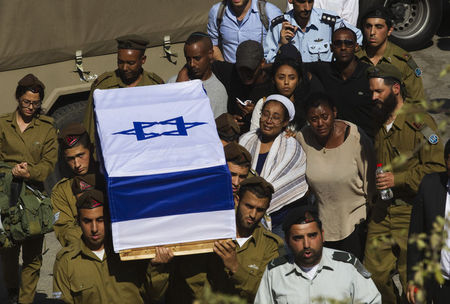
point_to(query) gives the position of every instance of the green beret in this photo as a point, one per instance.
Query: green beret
(83, 183)
(384, 70)
(90, 199)
(236, 153)
(227, 127)
(30, 81)
(300, 215)
(71, 134)
(133, 42)
(258, 181)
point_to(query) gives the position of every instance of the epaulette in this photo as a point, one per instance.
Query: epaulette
(155, 77)
(406, 57)
(277, 20)
(5, 115)
(347, 257)
(429, 134)
(273, 236)
(329, 19)
(102, 78)
(62, 252)
(47, 119)
(277, 262)
(62, 180)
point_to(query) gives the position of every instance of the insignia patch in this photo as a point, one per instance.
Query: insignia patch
(253, 266)
(433, 139)
(318, 40)
(57, 295)
(56, 217)
(418, 72)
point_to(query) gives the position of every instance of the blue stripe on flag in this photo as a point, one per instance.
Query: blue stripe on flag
(200, 190)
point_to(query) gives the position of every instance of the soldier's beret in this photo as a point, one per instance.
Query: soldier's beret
(258, 181)
(226, 126)
(236, 153)
(384, 70)
(30, 80)
(71, 133)
(90, 199)
(134, 42)
(83, 183)
(381, 13)
(300, 215)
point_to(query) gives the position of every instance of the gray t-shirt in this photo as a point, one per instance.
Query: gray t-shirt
(216, 93)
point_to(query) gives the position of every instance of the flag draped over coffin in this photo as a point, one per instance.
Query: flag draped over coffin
(167, 177)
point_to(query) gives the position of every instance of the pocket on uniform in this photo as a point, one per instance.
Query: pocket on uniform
(81, 289)
(318, 48)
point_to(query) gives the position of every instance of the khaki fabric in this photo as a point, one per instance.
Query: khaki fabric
(66, 227)
(403, 61)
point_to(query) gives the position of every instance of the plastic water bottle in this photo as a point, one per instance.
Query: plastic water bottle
(386, 194)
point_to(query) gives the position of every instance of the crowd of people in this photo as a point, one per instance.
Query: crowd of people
(306, 111)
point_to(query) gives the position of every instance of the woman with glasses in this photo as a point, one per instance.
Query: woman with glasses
(340, 173)
(28, 144)
(277, 158)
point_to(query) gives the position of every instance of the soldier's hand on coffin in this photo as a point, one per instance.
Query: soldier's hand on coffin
(227, 252)
(163, 256)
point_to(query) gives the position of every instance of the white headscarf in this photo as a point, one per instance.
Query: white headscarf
(286, 102)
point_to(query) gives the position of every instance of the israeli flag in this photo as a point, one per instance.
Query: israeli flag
(168, 181)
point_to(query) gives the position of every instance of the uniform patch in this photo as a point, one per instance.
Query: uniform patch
(57, 295)
(418, 72)
(56, 217)
(433, 139)
(351, 259)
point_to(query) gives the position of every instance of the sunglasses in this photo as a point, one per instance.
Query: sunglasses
(347, 43)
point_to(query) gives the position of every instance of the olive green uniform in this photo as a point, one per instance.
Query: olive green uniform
(79, 276)
(193, 272)
(111, 80)
(37, 146)
(66, 227)
(403, 61)
(408, 139)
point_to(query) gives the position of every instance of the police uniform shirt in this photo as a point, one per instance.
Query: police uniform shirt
(233, 32)
(314, 43)
(285, 282)
(352, 96)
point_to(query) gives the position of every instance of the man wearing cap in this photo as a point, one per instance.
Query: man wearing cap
(198, 51)
(245, 81)
(239, 161)
(231, 22)
(29, 147)
(89, 271)
(308, 28)
(377, 26)
(130, 73)
(408, 147)
(237, 266)
(314, 273)
(76, 150)
(227, 129)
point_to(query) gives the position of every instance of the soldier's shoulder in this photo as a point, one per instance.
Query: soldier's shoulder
(272, 237)
(46, 119)
(5, 115)
(154, 77)
(405, 57)
(103, 80)
(66, 253)
(282, 260)
(62, 182)
(348, 259)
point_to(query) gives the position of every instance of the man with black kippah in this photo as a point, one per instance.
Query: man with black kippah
(314, 273)
(239, 162)
(227, 128)
(130, 73)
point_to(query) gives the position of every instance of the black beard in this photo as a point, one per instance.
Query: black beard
(381, 115)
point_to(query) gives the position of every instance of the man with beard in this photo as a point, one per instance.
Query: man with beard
(314, 273)
(198, 50)
(408, 147)
(130, 73)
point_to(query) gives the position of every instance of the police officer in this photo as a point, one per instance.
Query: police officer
(28, 143)
(89, 271)
(408, 147)
(129, 73)
(377, 27)
(306, 27)
(314, 273)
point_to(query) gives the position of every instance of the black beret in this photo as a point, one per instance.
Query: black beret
(236, 153)
(288, 51)
(300, 215)
(258, 180)
(227, 126)
(90, 199)
(384, 70)
(381, 13)
(30, 80)
(83, 183)
(133, 42)
(71, 133)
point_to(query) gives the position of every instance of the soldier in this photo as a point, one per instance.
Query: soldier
(28, 143)
(227, 129)
(89, 271)
(377, 27)
(408, 146)
(76, 150)
(129, 73)
(239, 162)
(314, 273)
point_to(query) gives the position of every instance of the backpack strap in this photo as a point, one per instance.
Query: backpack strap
(262, 14)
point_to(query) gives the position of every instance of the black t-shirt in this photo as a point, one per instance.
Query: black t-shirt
(352, 97)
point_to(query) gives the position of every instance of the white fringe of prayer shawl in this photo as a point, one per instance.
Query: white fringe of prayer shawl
(284, 168)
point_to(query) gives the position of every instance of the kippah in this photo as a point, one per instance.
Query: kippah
(90, 199)
(133, 42)
(384, 70)
(83, 183)
(300, 215)
(258, 180)
(30, 80)
(236, 153)
(227, 126)
(71, 133)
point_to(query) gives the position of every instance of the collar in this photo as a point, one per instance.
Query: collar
(313, 19)
(13, 120)
(81, 249)
(324, 264)
(400, 120)
(256, 235)
(387, 55)
(360, 69)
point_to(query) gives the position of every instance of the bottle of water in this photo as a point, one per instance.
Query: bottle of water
(386, 194)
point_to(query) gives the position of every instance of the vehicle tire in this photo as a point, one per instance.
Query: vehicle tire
(416, 22)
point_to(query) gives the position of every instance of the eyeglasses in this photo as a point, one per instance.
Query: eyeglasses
(26, 103)
(276, 118)
(340, 43)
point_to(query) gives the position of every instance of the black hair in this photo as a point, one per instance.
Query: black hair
(344, 28)
(200, 36)
(256, 189)
(21, 90)
(318, 98)
(389, 81)
(379, 12)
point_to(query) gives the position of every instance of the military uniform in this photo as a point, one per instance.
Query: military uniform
(198, 270)
(111, 80)
(66, 227)
(37, 145)
(403, 61)
(412, 139)
(285, 282)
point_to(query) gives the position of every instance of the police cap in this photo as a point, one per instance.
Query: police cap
(300, 215)
(133, 42)
(71, 133)
(384, 70)
(90, 199)
(30, 81)
(227, 127)
(83, 183)
(236, 153)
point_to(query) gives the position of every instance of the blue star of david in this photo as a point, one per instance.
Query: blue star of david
(139, 128)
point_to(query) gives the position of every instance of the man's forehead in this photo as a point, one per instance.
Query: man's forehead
(376, 21)
(303, 229)
(344, 33)
(252, 199)
(91, 213)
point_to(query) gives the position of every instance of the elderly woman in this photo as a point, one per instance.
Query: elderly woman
(278, 158)
(340, 173)
(28, 144)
